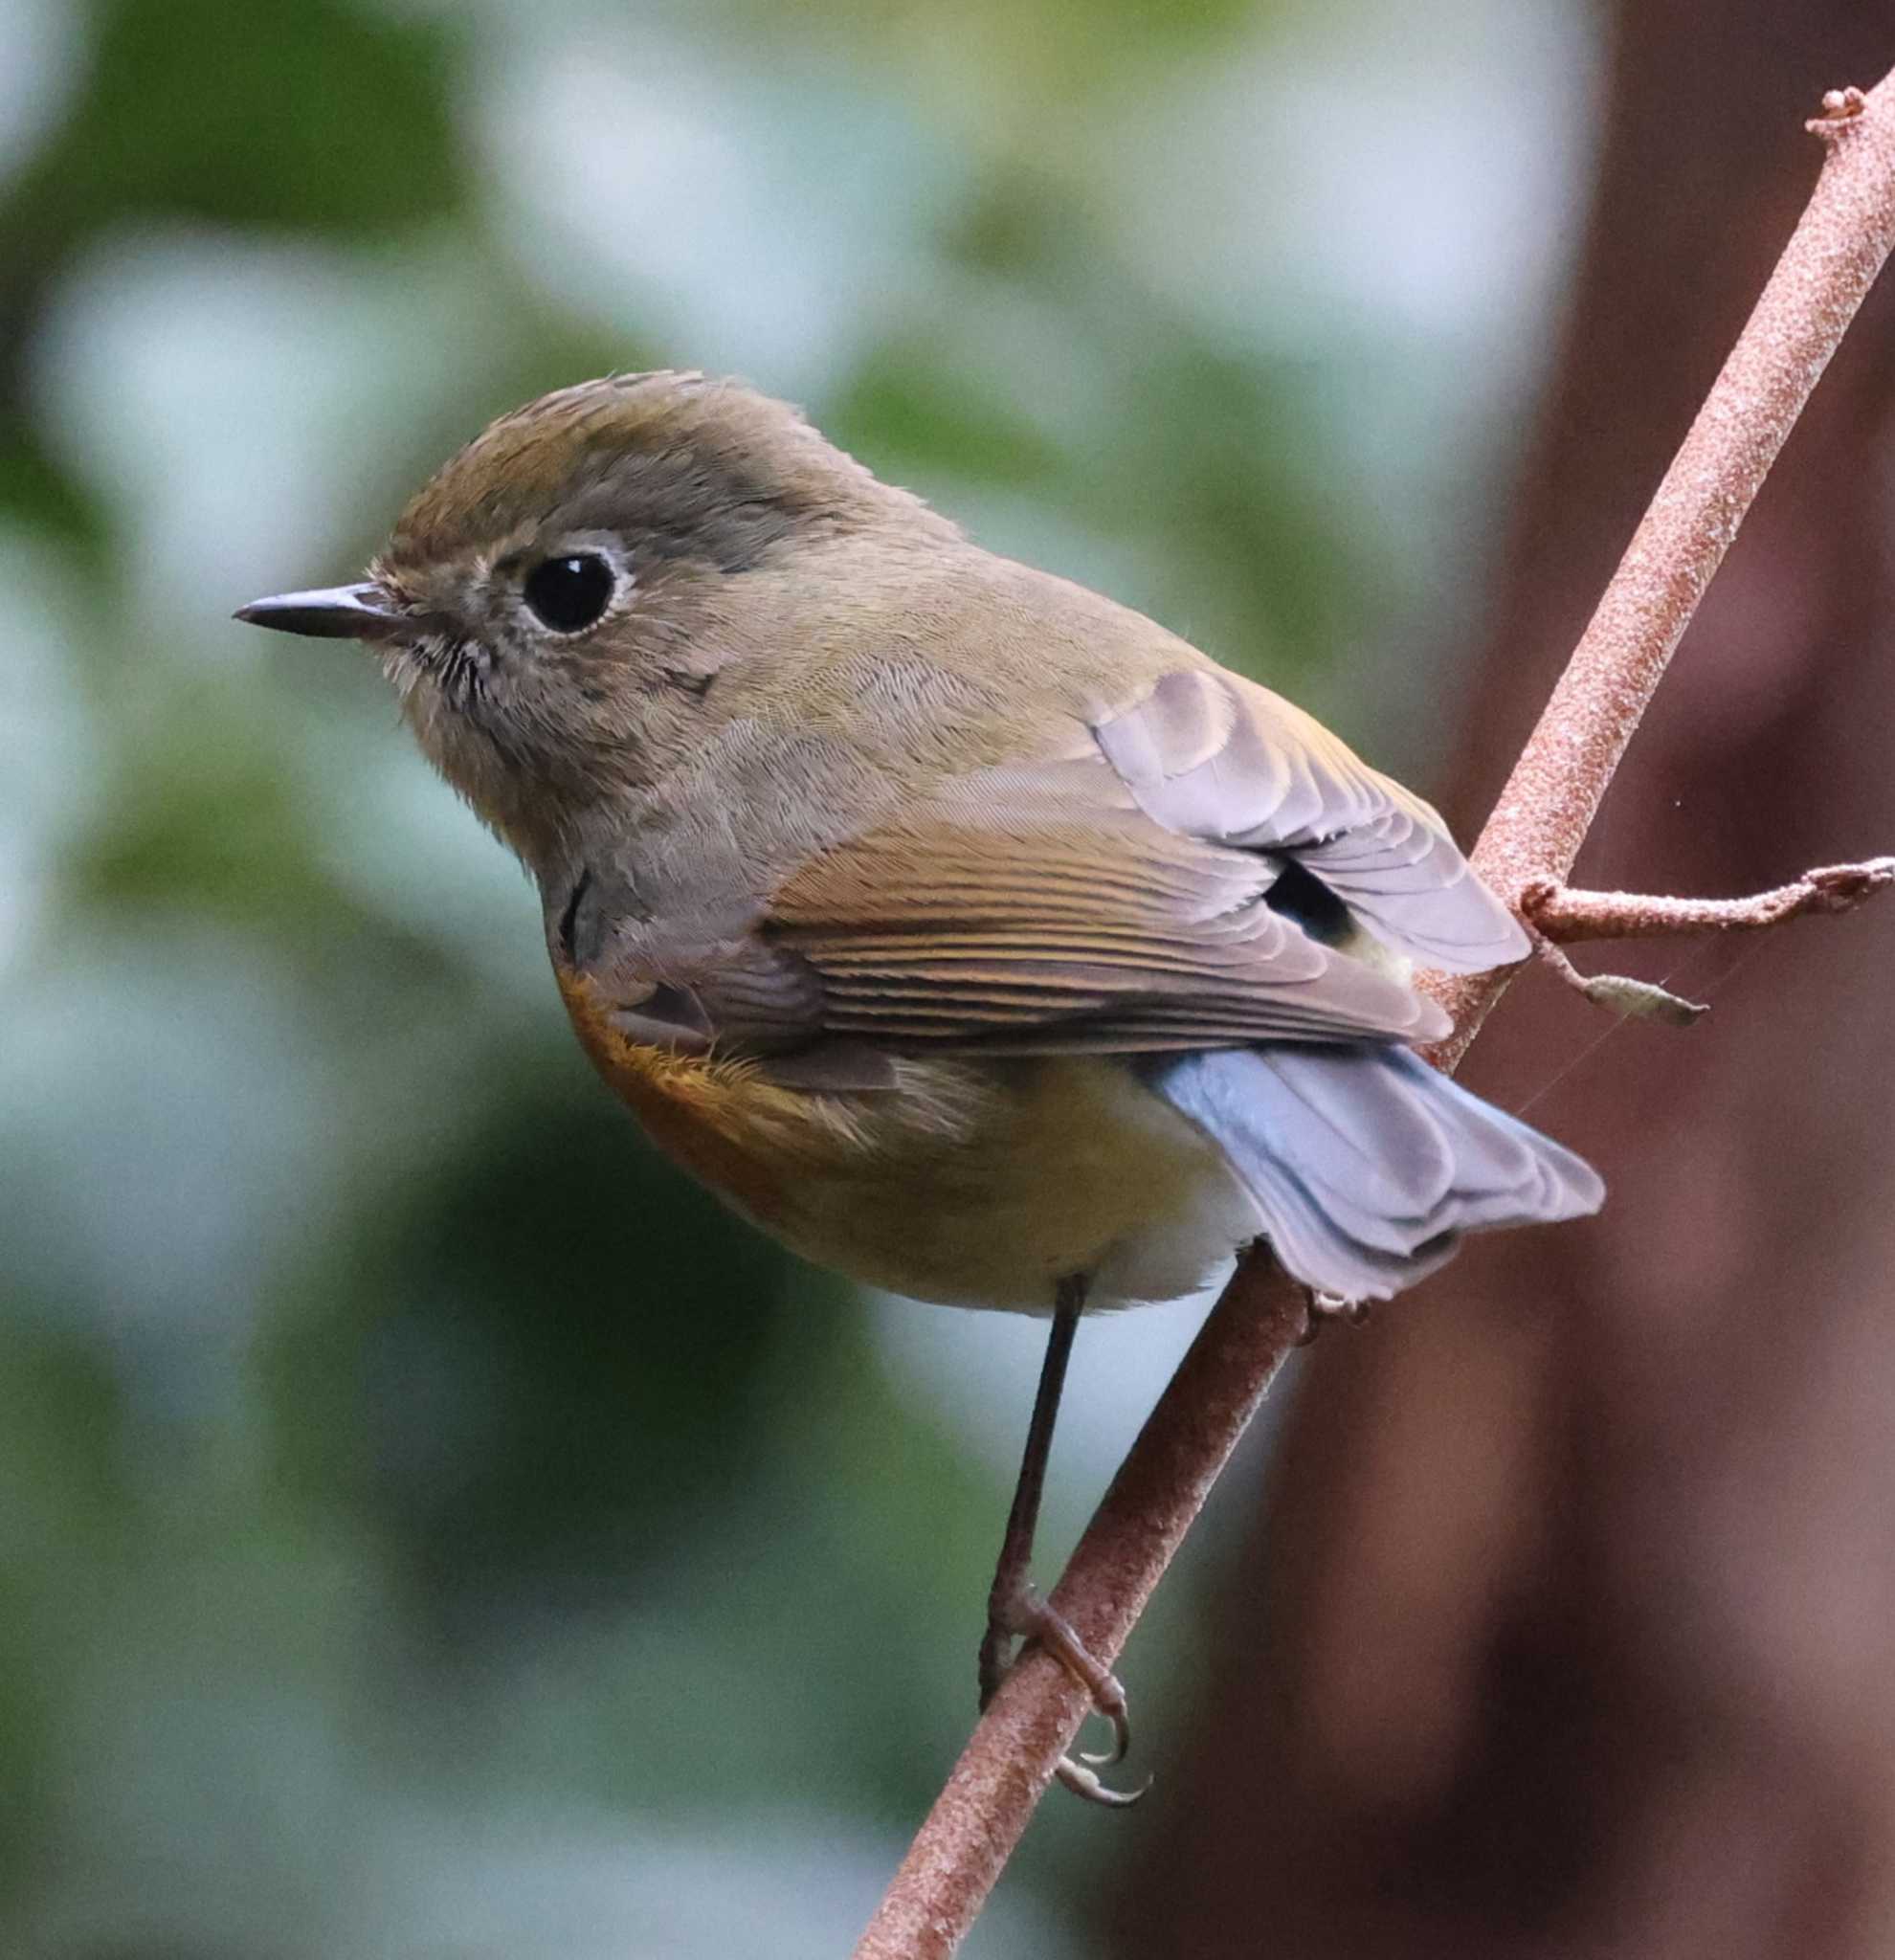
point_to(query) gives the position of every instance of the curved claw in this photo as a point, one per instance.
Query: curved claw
(1321, 1308)
(1039, 1622)
(1083, 1783)
(1113, 1711)
(1026, 1614)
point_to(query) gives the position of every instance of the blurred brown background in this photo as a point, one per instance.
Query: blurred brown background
(1571, 1628)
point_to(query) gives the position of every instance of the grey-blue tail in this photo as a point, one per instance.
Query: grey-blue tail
(1367, 1163)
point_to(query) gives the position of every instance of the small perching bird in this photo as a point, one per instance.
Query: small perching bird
(969, 932)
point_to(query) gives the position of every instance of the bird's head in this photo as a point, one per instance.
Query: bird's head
(556, 604)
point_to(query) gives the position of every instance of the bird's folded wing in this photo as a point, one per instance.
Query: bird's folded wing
(1209, 755)
(1035, 908)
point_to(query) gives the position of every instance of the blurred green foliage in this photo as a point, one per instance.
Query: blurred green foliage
(321, 117)
(427, 1525)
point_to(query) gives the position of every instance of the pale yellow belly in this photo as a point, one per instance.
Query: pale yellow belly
(1057, 1167)
(978, 1183)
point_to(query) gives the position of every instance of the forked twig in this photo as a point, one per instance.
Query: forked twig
(1529, 844)
(1560, 913)
(1826, 269)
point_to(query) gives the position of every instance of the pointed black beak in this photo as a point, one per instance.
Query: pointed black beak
(363, 612)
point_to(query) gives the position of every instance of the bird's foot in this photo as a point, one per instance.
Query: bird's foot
(1321, 1308)
(1016, 1614)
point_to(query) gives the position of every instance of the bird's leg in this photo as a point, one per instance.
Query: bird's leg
(1015, 1610)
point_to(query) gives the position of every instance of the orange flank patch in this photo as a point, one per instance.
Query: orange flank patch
(720, 1119)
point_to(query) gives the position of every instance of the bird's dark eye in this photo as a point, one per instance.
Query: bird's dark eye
(568, 594)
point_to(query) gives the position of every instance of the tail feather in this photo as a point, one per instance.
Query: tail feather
(1367, 1163)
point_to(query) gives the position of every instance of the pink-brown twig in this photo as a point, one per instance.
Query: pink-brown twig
(1530, 840)
(1826, 269)
(1033, 1718)
(1558, 912)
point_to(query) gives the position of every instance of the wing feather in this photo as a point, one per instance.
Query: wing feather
(1027, 911)
(1109, 891)
(1217, 757)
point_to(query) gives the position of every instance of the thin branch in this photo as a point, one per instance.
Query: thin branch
(1532, 838)
(1257, 1323)
(1560, 913)
(1826, 269)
